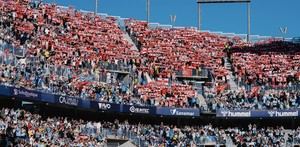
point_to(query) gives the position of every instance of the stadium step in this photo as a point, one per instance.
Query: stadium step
(127, 37)
(202, 101)
(113, 141)
(229, 141)
(231, 80)
(127, 144)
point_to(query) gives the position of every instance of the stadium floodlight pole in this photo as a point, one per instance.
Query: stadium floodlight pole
(283, 31)
(199, 15)
(96, 7)
(148, 10)
(227, 1)
(248, 22)
(173, 20)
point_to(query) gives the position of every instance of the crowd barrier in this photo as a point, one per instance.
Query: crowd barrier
(33, 95)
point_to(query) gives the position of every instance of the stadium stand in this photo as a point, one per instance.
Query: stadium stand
(64, 51)
(274, 64)
(50, 55)
(25, 128)
(171, 53)
(71, 52)
(29, 129)
(255, 100)
(181, 50)
(268, 77)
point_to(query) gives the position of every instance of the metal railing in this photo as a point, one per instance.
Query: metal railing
(195, 73)
(145, 140)
(289, 87)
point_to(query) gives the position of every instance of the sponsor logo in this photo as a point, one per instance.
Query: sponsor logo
(271, 113)
(173, 111)
(104, 106)
(133, 109)
(180, 112)
(224, 113)
(283, 113)
(68, 101)
(25, 93)
(236, 114)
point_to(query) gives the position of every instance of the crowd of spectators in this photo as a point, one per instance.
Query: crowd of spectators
(65, 50)
(71, 53)
(163, 93)
(169, 53)
(28, 129)
(253, 136)
(20, 127)
(267, 76)
(294, 136)
(274, 64)
(166, 51)
(257, 99)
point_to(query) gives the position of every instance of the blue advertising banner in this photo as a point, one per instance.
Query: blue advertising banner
(275, 113)
(103, 106)
(25, 94)
(138, 109)
(46, 97)
(258, 113)
(5, 90)
(177, 111)
(85, 103)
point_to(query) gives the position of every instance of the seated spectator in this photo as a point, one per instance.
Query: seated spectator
(242, 100)
(19, 127)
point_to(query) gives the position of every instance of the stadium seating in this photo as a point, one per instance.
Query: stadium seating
(60, 61)
(70, 49)
(29, 129)
(68, 52)
(273, 64)
(258, 99)
(160, 93)
(268, 76)
(168, 53)
(170, 50)
(254, 136)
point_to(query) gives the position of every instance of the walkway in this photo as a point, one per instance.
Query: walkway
(231, 81)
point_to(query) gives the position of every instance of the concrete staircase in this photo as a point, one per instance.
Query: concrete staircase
(127, 144)
(202, 101)
(229, 142)
(127, 37)
(114, 141)
(231, 81)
